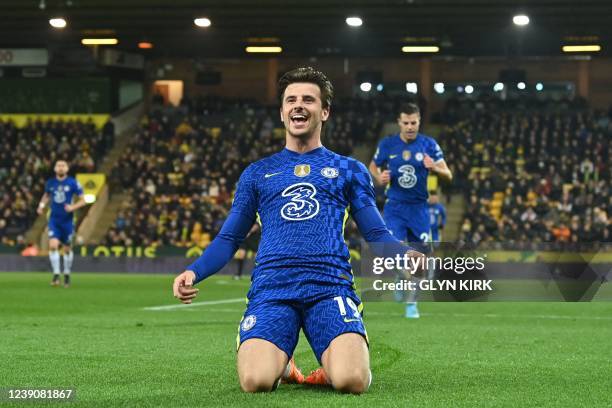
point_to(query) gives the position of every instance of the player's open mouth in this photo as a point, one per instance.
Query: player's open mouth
(299, 119)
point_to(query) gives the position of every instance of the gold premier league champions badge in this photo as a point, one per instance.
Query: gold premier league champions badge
(406, 155)
(302, 170)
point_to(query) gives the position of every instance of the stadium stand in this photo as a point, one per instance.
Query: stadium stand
(531, 171)
(27, 156)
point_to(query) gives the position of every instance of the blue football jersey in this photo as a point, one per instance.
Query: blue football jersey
(302, 202)
(405, 161)
(61, 193)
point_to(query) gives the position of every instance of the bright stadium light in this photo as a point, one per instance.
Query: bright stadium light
(380, 87)
(265, 49)
(539, 87)
(412, 87)
(521, 85)
(365, 86)
(420, 48)
(58, 22)
(439, 87)
(460, 89)
(581, 48)
(202, 22)
(99, 41)
(498, 87)
(520, 20)
(469, 89)
(354, 21)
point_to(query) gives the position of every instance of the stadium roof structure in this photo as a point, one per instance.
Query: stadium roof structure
(314, 27)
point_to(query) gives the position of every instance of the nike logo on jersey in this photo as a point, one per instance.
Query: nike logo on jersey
(272, 174)
(393, 156)
(347, 320)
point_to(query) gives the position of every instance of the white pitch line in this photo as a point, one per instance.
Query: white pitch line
(195, 304)
(495, 315)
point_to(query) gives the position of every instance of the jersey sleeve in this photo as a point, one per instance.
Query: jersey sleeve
(381, 155)
(361, 187)
(48, 187)
(435, 152)
(245, 198)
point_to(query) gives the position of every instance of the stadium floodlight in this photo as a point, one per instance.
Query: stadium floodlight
(439, 87)
(58, 22)
(354, 21)
(420, 48)
(99, 41)
(469, 89)
(498, 87)
(202, 22)
(460, 89)
(539, 87)
(520, 20)
(365, 86)
(412, 87)
(253, 49)
(521, 85)
(380, 87)
(581, 48)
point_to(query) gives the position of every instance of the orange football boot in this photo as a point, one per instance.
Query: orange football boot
(317, 377)
(295, 376)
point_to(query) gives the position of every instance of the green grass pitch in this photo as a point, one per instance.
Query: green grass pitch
(98, 337)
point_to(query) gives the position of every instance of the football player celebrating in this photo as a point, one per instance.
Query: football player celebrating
(302, 278)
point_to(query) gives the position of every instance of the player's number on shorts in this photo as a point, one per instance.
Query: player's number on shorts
(302, 205)
(350, 304)
(408, 177)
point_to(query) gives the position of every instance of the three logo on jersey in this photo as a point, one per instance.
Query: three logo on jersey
(302, 205)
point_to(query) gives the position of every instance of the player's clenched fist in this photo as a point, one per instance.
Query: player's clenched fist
(385, 177)
(183, 287)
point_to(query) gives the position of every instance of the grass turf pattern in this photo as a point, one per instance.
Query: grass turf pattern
(98, 338)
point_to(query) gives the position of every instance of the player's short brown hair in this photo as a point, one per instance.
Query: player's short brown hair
(409, 109)
(309, 75)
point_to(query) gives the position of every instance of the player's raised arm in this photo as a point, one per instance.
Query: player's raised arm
(221, 250)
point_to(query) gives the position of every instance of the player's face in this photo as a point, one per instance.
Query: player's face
(433, 199)
(409, 125)
(61, 168)
(302, 111)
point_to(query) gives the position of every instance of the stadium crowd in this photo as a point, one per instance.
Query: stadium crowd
(27, 157)
(532, 174)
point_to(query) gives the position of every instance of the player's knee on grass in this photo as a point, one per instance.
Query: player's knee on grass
(260, 365)
(254, 381)
(347, 363)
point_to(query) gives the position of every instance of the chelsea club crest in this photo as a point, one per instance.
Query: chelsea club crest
(329, 172)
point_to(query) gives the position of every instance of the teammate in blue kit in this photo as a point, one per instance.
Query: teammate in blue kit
(61, 190)
(402, 162)
(437, 217)
(302, 277)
